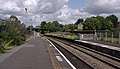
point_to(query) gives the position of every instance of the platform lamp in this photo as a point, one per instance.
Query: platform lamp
(26, 10)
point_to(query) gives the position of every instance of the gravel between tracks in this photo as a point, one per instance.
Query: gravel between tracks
(54, 60)
(96, 64)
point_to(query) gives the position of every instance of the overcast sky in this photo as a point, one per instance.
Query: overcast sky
(64, 11)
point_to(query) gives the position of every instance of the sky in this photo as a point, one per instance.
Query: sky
(76, 4)
(64, 11)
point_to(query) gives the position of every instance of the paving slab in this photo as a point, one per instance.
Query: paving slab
(32, 55)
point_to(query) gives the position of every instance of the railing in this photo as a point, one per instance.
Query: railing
(111, 36)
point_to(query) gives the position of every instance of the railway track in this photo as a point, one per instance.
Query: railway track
(76, 62)
(91, 57)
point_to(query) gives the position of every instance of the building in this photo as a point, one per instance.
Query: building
(80, 26)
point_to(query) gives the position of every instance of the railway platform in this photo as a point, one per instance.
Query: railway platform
(51, 53)
(31, 55)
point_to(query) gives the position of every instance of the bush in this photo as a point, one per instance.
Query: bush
(2, 50)
(69, 36)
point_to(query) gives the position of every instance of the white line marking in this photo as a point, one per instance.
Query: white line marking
(62, 55)
(102, 45)
(50, 45)
(59, 58)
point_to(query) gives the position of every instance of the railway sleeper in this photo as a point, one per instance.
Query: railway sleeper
(87, 56)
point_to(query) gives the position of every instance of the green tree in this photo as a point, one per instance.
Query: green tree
(48, 27)
(107, 25)
(11, 32)
(56, 26)
(98, 23)
(69, 27)
(14, 18)
(113, 19)
(51, 26)
(43, 23)
(79, 21)
(91, 24)
(30, 27)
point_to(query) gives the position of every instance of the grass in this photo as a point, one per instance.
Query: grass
(8, 44)
(69, 36)
(72, 36)
(114, 40)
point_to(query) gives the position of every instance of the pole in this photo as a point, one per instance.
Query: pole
(95, 37)
(112, 37)
(119, 37)
(100, 36)
(106, 36)
(34, 34)
(79, 36)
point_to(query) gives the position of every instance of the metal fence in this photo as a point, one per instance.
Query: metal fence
(113, 37)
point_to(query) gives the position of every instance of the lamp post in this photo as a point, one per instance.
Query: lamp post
(26, 10)
(33, 28)
(30, 22)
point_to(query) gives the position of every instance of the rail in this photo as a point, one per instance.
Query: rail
(108, 58)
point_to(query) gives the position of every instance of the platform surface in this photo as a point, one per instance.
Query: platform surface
(31, 55)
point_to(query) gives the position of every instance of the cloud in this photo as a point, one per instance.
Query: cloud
(102, 7)
(9, 7)
(65, 15)
(37, 8)
(33, 6)
(44, 6)
(50, 10)
(69, 15)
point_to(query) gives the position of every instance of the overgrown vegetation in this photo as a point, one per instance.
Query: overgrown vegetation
(89, 25)
(68, 35)
(112, 40)
(100, 23)
(12, 32)
(55, 26)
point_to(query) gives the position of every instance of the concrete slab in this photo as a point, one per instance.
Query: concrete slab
(32, 55)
